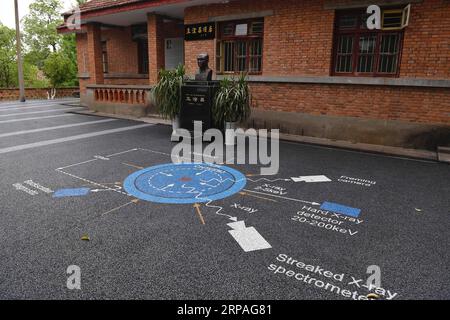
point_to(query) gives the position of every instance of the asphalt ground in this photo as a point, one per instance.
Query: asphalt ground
(147, 250)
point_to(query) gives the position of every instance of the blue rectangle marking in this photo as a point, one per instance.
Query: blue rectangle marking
(339, 208)
(61, 193)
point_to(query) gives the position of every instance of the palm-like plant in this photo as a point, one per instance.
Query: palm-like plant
(167, 93)
(232, 102)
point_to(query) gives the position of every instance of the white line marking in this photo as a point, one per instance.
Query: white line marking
(38, 118)
(36, 112)
(101, 158)
(92, 182)
(157, 152)
(285, 198)
(36, 103)
(31, 107)
(268, 180)
(55, 128)
(96, 159)
(218, 212)
(77, 164)
(120, 153)
(72, 138)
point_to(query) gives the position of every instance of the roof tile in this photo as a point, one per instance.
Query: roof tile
(93, 5)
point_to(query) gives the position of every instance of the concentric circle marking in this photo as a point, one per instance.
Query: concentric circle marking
(184, 183)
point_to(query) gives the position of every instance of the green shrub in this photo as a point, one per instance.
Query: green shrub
(166, 94)
(232, 102)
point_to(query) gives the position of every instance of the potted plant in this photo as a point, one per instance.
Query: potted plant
(232, 105)
(167, 94)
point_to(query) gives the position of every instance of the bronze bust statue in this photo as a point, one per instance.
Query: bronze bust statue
(204, 73)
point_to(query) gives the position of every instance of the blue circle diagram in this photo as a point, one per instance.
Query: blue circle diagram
(184, 183)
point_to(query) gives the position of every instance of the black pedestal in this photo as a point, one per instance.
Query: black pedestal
(197, 99)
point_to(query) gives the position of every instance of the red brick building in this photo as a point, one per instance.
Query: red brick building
(315, 68)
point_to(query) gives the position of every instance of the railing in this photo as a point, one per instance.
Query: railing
(121, 94)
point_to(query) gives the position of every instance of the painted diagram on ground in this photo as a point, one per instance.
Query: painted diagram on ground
(184, 183)
(202, 185)
(208, 190)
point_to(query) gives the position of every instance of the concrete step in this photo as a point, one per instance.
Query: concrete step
(444, 154)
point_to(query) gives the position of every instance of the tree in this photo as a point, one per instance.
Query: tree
(33, 77)
(51, 52)
(7, 57)
(69, 50)
(68, 47)
(59, 70)
(41, 37)
(49, 57)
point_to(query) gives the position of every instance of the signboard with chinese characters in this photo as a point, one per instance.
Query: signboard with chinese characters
(200, 31)
(197, 100)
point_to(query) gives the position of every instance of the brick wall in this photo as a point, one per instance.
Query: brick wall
(32, 93)
(94, 51)
(82, 56)
(173, 29)
(426, 47)
(122, 51)
(122, 54)
(155, 30)
(298, 41)
(82, 59)
(298, 38)
(420, 105)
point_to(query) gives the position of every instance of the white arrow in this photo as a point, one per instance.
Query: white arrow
(117, 188)
(166, 174)
(248, 237)
(167, 187)
(309, 179)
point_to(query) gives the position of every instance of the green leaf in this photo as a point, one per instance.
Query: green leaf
(57, 68)
(232, 102)
(166, 94)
